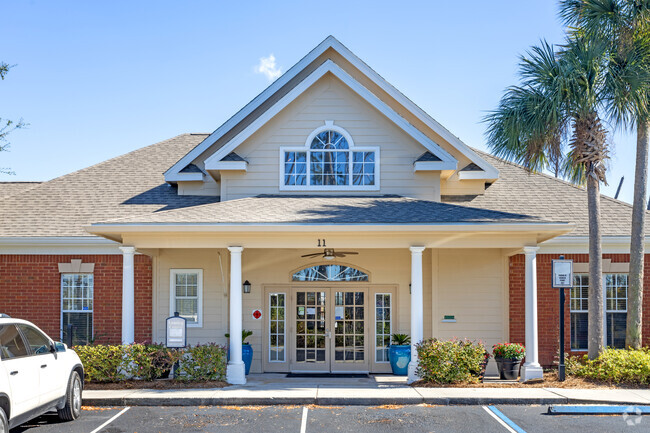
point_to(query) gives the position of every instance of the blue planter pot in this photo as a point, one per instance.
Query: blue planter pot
(246, 355)
(400, 356)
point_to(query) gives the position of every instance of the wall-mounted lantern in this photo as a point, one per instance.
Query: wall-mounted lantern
(247, 286)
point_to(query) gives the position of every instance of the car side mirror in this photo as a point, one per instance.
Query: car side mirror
(52, 347)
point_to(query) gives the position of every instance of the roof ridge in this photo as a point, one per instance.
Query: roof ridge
(557, 179)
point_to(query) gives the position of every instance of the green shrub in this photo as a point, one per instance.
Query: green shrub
(455, 361)
(103, 363)
(203, 362)
(614, 366)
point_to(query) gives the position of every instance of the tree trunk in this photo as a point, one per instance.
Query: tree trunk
(637, 241)
(595, 303)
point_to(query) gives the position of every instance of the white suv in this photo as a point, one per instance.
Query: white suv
(37, 375)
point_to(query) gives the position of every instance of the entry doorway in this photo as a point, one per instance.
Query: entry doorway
(341, 328)
(330, 330)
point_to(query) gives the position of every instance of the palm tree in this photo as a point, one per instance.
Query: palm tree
(624, 26)
(554, 115)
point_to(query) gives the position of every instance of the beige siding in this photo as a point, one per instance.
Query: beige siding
(470, 284)
(330, 99)
(206, 187)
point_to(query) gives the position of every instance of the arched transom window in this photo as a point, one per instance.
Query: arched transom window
(330, 273)
(329, 161)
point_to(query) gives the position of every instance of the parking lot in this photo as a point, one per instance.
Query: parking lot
(359, 419)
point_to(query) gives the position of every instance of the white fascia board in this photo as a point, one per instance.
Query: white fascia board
(580, 245)
(64, 245)
(474, 175)
(185, 177)
(226, 165)
(347, 79)
(332, 42)
(250, 107)
(434, 166)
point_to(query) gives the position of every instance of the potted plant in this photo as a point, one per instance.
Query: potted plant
(508, 357)
(399, 354)
(246, 349)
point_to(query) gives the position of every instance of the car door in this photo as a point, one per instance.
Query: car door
(50, 376)
(21, 371)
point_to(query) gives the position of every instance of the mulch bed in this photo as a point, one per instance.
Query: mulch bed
(550, 381)
(155, 384)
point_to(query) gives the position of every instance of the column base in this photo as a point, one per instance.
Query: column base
(236, 373)
(412, 375)
(531, 372)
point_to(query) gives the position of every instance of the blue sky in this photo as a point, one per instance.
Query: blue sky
(98, 79)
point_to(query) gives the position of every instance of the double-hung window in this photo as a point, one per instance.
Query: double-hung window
(616, 309)
(579, 311)
(329, 161)
(186, 295)
(77, 307)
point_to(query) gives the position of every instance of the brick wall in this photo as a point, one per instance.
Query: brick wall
(548, 303)
(30, 288)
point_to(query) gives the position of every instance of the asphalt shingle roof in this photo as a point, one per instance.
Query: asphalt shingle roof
(128, 185)
(330, 210)
(7, 189)
(131, 188)
(519, 191)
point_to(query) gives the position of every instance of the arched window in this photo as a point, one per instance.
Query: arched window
(329, 161)
(330, 273)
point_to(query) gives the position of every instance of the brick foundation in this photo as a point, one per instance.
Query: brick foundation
(30, 289)
(547, 303)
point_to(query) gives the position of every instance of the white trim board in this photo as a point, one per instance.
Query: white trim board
(329, 67)
(171, 175)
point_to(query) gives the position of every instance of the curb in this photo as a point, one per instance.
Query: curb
(337, 401)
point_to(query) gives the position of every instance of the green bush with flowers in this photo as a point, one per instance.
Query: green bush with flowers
(115, 363)
(509, 351)
(453, 361)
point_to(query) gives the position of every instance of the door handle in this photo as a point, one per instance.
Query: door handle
(44, 365)
(13, 373)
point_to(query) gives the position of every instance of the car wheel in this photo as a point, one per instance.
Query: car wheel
(4, 424)
(72, 409)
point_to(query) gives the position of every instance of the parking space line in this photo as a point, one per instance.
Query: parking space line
(113, 418)
(503, 420)
(303, 424)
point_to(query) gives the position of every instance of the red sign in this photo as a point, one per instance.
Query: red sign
(257, 314)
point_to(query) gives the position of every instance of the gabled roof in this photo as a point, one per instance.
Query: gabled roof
(428, 157)
(172, 174)
(329, 66)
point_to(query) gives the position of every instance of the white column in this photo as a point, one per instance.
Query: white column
(531, 368)
(128, 295)
(417, 315)
(236, 371)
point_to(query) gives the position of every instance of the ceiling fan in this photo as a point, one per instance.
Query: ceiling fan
(330, 254)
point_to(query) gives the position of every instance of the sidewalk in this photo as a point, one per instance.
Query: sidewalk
(272, 389)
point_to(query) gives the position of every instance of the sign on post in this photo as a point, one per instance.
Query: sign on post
(176, 331)
(562, 273)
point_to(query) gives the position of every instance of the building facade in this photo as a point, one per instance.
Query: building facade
(327, 214)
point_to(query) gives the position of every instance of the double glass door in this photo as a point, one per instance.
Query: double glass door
(330, 331)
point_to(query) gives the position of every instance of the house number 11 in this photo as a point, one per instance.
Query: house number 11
(323, 243)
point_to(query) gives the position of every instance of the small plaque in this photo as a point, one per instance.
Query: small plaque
(257, 314)
(562, 273)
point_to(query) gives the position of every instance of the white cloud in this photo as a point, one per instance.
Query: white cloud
(268, 68)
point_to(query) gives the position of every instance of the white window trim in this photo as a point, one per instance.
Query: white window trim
(390, 321)
(92, 331)
(199, 293)
(329, 125)
(286, 352)
(615, 271)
